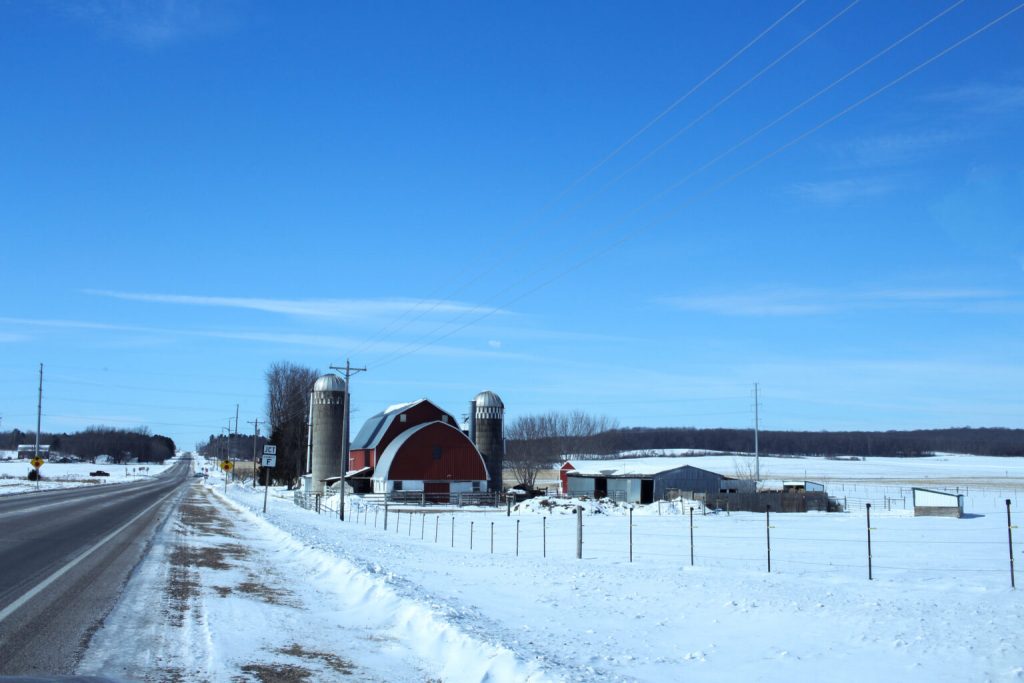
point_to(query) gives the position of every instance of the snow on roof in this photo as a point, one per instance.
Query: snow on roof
(400, 406)
(626, 466)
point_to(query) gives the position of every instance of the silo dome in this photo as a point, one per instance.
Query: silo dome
(488, 399)
(329, 383)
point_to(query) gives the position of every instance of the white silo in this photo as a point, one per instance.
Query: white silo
(327, 410)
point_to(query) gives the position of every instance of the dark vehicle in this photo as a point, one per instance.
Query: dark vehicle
(99, 473)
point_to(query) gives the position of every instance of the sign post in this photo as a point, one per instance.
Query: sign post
(37, 462)
(226, 466)
(269, 460)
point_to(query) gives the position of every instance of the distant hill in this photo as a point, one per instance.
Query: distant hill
(971, 440)
(120, 444)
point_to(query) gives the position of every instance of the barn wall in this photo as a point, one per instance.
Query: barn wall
(456, 460)
(581, 486)
(686, 478)
(933, 499)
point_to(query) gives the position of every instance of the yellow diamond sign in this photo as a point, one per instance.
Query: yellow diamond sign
(37, 462)
(227, 465)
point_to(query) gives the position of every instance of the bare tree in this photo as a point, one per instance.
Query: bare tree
(539, 441)
(288, 393)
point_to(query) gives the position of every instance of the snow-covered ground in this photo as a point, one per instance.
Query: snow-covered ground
(425, 599)
(14, 475)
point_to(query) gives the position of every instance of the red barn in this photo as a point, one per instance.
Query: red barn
(417, 447)
(563, 474)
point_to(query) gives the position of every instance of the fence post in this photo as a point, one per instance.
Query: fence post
(492, 538)
(471, 534)
(691, 536)
(867, 506)
(453, 531)
(398, 520)
(1009, 537)
(385, 515)
(376, 511)
(768, 533)
(544, 532)
(437, 525)
(631, 533)
(508, 505)
(517, 536)
(579, 532)
(423, 525)
(410, 523)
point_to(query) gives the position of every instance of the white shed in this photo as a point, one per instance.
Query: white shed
(929, 503)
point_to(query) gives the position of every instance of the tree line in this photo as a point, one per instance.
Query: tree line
(121, 445)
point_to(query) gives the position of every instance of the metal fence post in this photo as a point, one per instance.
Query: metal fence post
(423, 525)
(492, 538)
(398, 520)
(630, 533)
(1009, 537)
(517, 537)
(867, 506)
(691, 536)
(471, 535)
(768, 533)
(579, 532)
(544, 533)
(385, 515)
(453, 531)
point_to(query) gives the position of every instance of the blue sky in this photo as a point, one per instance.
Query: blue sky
(444, 193)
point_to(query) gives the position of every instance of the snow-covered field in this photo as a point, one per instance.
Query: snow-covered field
(14, 475)
(939, 606)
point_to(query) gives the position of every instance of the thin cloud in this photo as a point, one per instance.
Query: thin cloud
(154, 23)
(820, 302)
(336, 309)
(983, 98)
(332, 343)
(843, 191)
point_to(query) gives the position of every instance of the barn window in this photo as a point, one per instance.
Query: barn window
(476, 487)
(437, 452)
(398, 486)
(444, 418)
(403, 417)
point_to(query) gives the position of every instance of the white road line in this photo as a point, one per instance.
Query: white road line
(45, 583)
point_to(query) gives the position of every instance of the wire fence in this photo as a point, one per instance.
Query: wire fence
(870, 542)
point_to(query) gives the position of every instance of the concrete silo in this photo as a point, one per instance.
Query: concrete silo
(487, 431)
(327, 411)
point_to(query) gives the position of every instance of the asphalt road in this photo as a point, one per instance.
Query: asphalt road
(65, 557)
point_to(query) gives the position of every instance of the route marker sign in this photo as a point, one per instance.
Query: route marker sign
(37, 462)
(269, 449)
(269, 460)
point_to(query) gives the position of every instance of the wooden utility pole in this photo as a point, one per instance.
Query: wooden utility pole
(255, 438)
(349, 371)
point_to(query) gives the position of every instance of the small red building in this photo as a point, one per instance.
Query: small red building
(563, 474)
(416, 447)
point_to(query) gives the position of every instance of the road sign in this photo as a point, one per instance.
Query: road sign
(269, 449)
(269, 460)
(227, 465)
(37, 462)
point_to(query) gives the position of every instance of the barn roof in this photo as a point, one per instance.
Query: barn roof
(380, 472)
(374, 428)
(628, 467)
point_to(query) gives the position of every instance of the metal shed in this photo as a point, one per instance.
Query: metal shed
(619, 483)
(929, 503)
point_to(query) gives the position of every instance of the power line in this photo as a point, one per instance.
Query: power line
(413, 348)
(366, 346)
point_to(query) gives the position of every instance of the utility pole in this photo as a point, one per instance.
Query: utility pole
(757, 454)
(39, 409)
(236, 418)
(349, 371)
(255, 438)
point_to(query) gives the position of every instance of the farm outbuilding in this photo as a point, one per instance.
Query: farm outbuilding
(644, 482)
(415, 447)
(929, 503)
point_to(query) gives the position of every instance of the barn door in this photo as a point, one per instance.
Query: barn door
(436, 491)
